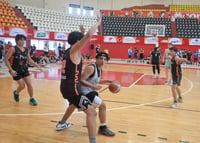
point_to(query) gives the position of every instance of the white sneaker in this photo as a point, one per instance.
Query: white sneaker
(159, 76)
(60, 126)
(154, 76)
(174, 105)
(180, 100)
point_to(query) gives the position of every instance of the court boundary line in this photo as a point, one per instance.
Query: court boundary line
(137, 80)
(111, 109)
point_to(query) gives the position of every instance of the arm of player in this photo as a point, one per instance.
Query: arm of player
(88, 71)
(32, 62)
(76, 49)
(105, 81)
(9, 54)
(181, 59)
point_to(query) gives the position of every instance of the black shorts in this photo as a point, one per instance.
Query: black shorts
(46, 53)
(21, 74)
(135, 56)
(177, 79)
(155, 63)
(76, 97)
(129, 56)
(195, 59)
(141, 56)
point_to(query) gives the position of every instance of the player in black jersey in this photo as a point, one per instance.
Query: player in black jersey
(70, 80)
(176, 75)
(16, 61)
(155, 61)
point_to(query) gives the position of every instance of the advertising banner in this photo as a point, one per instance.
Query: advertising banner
(14, 31)
(41, 34)
(175, 15)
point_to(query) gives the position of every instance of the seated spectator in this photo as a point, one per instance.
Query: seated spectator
(53, 59)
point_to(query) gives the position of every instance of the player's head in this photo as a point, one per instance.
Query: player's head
(74, 37)
(20, 39)
(1, 42)
(170, 45)
(156, 48)
(173, 51)
(101, 58)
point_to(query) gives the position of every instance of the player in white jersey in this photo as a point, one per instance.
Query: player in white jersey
(167, 60)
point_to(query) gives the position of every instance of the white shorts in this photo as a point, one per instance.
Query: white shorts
(167, 64)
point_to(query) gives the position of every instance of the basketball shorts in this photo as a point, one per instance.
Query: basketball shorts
(129, 56)
(167, 64)
(177, 79)
(155, 63)
(79, 100)
(141, 56)
(21, 74)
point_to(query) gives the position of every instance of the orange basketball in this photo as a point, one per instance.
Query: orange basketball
(114, 87)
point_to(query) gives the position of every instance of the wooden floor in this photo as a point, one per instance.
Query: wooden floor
(140, 109)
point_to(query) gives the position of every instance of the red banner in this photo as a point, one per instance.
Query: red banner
(185, 15)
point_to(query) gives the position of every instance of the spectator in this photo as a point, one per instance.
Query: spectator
(142, 55)
(32, 50)
(46, 49)
(1, 50)
(59, 51)
(196, 56)
(97, 49)
(136, 54)
(130, 54)
(8, 46)
(189, 55)
(184, 54)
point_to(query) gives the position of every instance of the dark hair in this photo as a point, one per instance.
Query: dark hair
(104, 55)
(19, 37)
(74, 37)
(1, 42)
(173, 49)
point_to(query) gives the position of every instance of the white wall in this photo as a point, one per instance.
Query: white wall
(35, 3)
(60, 5)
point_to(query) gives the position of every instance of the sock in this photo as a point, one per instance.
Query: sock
(103, 124)
(64, 119)
(92, 139)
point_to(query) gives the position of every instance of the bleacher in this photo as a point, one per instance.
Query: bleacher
(50, 20)
(8, 16)
(185, 8)
(130, 26)
(188, 28)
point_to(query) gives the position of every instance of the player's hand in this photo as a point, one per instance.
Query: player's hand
(110, 81)
(82, 29)
(13, 73)
(97, 87)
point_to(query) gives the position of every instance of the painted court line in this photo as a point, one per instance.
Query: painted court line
(136, 81)
(119, 108)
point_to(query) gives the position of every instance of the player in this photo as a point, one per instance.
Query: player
(18, 67)
(155, 61)
(176, 75)
(167, 60)
(70, 79)
(90, 80)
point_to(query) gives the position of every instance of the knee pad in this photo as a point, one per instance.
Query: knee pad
(97, 102)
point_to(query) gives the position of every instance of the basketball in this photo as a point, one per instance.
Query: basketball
(114, 87)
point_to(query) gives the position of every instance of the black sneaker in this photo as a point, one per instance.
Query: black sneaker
(103, 130)
(16, 96)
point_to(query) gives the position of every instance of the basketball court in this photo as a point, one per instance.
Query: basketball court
(140, 112)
